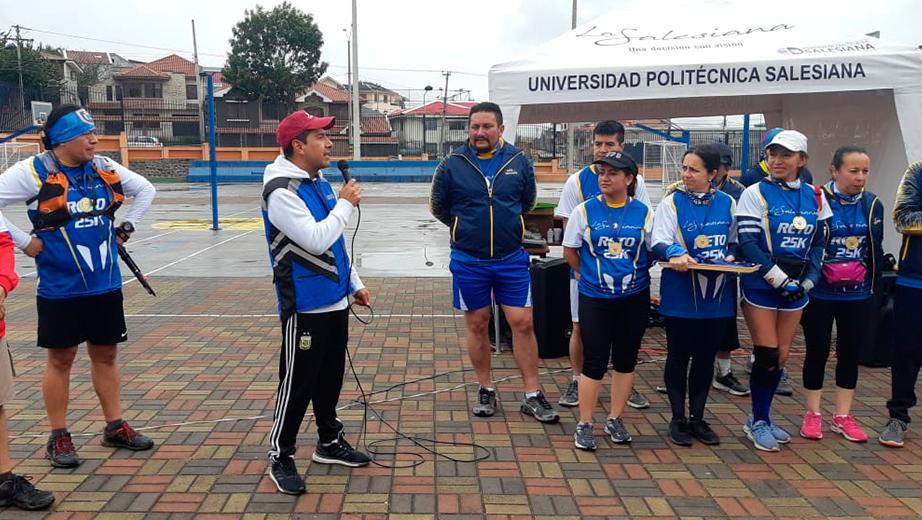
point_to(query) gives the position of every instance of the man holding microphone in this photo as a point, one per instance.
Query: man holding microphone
(313, 275)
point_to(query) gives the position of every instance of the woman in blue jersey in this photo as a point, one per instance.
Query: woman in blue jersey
(606, 244)
(851, 269)
(695, 223)
(780, 224)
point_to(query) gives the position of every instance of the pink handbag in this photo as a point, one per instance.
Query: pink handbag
(844, 274)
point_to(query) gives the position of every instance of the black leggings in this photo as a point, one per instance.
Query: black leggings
(694, 340)
(612, 328)
(854, 328)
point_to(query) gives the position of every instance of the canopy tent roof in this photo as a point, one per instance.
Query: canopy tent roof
(805, 65)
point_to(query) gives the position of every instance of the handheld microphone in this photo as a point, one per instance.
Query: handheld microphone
(343, 166)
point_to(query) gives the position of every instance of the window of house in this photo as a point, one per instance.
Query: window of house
(144, 90)
(272, 111)
(191, 91)
(457, 125)
(134, 90)
(153, 90)
(237, 110)
(73, 75)
(432, 123)
(146, 124)
(108, 92)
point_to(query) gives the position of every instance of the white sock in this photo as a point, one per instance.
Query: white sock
(488, 389)
(576, 379)
(723, 366)
(531, 394)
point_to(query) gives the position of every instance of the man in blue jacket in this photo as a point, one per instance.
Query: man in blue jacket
(482, 192)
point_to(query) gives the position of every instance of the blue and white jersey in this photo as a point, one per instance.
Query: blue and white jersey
(613, 243)
(679, 222)
(782, 221)
(849, 237)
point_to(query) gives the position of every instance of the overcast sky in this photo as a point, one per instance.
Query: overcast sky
(403, 35)
(396, 37)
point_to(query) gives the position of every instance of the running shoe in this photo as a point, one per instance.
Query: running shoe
(812, 427)
(893, 433)
(847, 426)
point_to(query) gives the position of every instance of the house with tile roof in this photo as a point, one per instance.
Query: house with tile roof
(158, 99)
(242, 122)
(418, 128)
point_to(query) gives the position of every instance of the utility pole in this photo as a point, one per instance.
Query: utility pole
(356, 109)
(198, 87)
(571, 145)
(447, 73)
(19, 40)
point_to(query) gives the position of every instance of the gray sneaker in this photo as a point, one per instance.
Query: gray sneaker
(615, 428)
(584, 438)
(893, 433)
(749, 365)
(635, 400)
(661, 389)
(570, 396)
(729, 383)
(784, 386)
(486, 403)
(540, 409)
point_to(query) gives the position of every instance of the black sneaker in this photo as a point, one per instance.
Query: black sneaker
(730, 384)
(126, 437)
(486, 403)
(702, 431)
(340, 452)
(679, 433)
(283, 472)
(61, 452)
(18, 491)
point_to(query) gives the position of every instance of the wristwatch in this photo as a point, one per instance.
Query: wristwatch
(126, 226)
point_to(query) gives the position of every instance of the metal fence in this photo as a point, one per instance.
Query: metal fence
(155, 121)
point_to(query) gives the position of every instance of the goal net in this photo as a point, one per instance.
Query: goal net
(663, 160)
(11, 153)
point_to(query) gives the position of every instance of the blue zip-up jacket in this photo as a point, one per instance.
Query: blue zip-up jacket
(863, 218)
(907, 218)
(486, 219)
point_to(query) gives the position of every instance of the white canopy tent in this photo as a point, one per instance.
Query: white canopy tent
(680, 59)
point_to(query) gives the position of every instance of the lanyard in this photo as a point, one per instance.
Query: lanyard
(693, 201)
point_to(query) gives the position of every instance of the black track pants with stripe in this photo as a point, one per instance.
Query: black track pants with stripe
(311, 368)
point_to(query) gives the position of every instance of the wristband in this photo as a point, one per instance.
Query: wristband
(775, 277)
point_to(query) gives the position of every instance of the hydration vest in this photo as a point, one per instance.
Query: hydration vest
(53, 211)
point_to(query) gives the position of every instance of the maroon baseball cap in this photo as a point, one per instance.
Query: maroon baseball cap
(292, 126)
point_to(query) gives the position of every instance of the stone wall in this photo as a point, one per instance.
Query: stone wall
(111, 154)
(162, 168)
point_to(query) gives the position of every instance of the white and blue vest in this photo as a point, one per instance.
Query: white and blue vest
(780, 237)
(700, 294)
(602, 273)
(304, 281)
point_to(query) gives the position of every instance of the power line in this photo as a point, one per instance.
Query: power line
(186, 51)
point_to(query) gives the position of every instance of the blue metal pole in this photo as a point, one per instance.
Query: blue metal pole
(744, 160)
(212, 155)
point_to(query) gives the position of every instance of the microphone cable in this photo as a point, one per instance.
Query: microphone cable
(424, 443)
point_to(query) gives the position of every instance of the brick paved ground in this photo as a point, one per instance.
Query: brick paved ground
(200, 374)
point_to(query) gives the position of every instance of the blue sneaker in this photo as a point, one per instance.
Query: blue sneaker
(761, 436)
(780, 435)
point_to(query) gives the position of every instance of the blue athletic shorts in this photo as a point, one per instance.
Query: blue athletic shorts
(474, 281)
(769, 298)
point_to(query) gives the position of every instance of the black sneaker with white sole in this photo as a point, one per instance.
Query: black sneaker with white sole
(285, 474)
(340, 452)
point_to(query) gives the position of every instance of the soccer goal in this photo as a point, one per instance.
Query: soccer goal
(663, 160)
(11, 153)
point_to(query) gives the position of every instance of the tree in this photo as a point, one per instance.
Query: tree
(37, 72)
(275, 55)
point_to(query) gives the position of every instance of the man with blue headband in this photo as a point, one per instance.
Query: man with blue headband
(72, 195)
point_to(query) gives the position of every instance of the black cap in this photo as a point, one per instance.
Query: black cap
(726, 154)
(619, 160)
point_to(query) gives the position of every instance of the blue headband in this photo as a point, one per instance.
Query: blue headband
(70, 127)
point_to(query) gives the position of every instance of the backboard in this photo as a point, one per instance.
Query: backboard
(40, 111)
